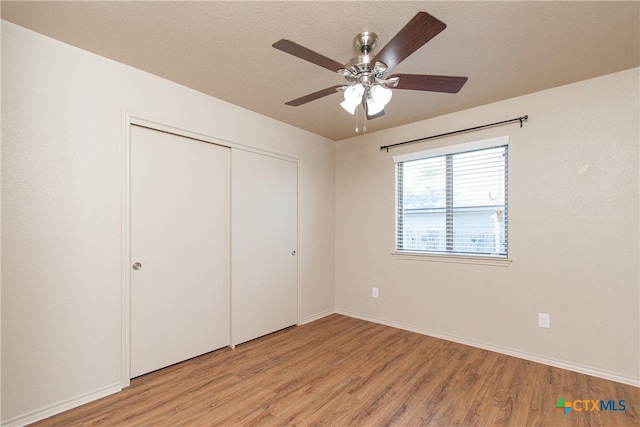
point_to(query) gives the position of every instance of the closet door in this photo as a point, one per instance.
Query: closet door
(179, 248)
(264, 266)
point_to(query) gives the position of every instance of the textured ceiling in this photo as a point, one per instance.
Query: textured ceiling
(224, 49)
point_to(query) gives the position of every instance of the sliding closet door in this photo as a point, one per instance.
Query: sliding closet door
(179, 248)
(264, 245)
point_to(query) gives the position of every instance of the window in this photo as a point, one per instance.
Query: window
(453, 200)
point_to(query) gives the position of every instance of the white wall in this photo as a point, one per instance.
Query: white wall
(62, 129)
(573, 233)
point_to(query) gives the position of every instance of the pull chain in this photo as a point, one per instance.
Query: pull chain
(364, 119)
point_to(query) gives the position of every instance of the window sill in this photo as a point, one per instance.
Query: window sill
(458, 259)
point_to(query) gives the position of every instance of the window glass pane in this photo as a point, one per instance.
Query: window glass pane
(422, 224)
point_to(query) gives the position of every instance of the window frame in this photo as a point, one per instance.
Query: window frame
(466, 258)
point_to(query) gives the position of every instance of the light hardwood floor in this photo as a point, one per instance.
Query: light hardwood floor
(340, 371)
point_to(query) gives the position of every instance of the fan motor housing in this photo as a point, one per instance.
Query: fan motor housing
(360, 64)
(365, 42)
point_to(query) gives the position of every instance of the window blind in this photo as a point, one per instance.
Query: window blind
(453, 203)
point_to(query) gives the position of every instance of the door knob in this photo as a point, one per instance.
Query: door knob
(137, 266)
(293, 253)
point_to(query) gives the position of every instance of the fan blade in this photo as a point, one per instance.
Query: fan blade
(315, 95)
(447, 84)
(422, 28)
(307, 54)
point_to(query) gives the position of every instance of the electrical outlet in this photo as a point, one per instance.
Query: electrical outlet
(374, 292)
(544, 320)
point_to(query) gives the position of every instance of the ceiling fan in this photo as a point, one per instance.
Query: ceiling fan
(368, 84)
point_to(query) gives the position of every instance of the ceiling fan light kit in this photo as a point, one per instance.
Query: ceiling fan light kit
(366, 74)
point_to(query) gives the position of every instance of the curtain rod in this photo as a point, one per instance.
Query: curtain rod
(518, 119)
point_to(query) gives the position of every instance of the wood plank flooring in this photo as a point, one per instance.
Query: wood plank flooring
(340, 371)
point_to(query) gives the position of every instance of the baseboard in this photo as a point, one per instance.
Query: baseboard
(310, 319)
(612, 376)
(40, 414)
